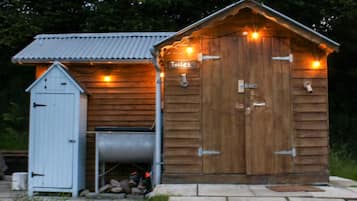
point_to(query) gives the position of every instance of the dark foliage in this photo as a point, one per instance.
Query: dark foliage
(20, 20)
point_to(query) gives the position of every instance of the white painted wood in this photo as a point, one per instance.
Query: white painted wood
(52, 136)
(57, 133)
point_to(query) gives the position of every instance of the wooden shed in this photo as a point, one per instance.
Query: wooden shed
(245, 99)
(115, 68)
(240, 96)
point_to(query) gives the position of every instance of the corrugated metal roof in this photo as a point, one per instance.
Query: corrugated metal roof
(264, 9)
(90, 47)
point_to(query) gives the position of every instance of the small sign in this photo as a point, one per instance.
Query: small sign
(182, 64)
(250, 86)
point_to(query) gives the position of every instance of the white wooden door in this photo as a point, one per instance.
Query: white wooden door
(53, 133)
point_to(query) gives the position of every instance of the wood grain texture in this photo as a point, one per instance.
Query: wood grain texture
(269, 128)
(222, 124)
(182, 121)
(310, 110)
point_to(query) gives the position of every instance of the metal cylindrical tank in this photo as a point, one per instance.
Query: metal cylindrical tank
(125, 147)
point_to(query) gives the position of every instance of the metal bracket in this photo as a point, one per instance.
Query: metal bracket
(291, 152)
(202, 152)
(289, 58)
(202, 57)
(259, 104)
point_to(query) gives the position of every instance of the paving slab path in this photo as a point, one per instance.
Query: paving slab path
(340, 190)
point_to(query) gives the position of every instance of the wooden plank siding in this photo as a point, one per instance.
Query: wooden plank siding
(127, 101)
(310, 110)
(183, 107)
(182, 122)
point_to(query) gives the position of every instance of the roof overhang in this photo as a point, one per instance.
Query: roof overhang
(262, 9)
(121, 47)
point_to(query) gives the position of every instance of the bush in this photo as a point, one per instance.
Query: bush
(342, 164)
(13, 130)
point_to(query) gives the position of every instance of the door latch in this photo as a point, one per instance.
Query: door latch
(36, 175)
(38, 105)
(72, 141)
(291, 152)
(202, 152)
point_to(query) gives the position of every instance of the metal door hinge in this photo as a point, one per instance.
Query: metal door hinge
(36, 175)
(202, 152)
(38, 105)
(289, 58)
(291, 152)
(202, 57)
(259, 104)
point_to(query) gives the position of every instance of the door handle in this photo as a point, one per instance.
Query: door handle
(261, 104)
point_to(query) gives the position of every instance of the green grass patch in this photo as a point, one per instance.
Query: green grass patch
(343, 165)
(159, 198)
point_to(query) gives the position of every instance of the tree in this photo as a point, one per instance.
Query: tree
(20, 20)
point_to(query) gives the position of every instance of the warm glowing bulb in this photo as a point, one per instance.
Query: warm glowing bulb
(162, 74)
(245, 33)
(316, 64)
(255, 35)
(107, 78)
(189, 50)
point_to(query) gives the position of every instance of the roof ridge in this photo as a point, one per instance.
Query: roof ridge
(103, 35)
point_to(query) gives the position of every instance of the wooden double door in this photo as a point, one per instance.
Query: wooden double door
(246, 107)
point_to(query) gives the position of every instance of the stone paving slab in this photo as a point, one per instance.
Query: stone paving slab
(263, 191)
(314, 199)
(354, 189)
(176, 189)
(197, 199)
(335, 192)
(223, 190)
(256, 199)
(342, 182)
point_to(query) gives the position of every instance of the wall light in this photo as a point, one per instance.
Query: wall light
(162, 74)
(189, 50)
(316, 64)
(107, 78)
(255, 35)
(245, 33)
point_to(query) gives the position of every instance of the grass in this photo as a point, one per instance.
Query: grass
(343, 165)
(159, 198)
